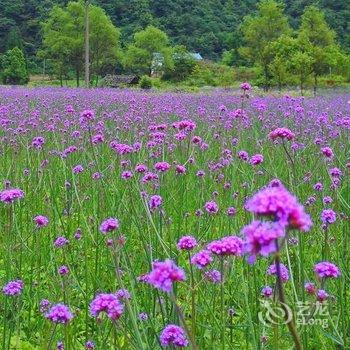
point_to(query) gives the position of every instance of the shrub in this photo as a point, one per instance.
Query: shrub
(146, 82)
(184, 65)
(211, 74)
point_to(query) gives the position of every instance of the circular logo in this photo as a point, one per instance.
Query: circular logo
(275, 313)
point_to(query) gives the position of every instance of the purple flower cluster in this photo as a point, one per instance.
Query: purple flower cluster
(260, 238)
(272, 270)
(108, 303)
(163, 274)
(13, 288)
(59, 313)
(326, 269)
(245, 86)
(256, 159)
(276, 202)
(202, 259)
(187, 243)
(328, 216)
(173, 335)
(282, 133)
(229, 245)
(211, 207)
(11, 195)
(155, 202)
(109, 225)
(41, 221)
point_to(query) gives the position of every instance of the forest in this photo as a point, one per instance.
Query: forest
(206, 26)
(216, 29)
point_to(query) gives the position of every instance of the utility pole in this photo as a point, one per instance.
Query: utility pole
(87, 45)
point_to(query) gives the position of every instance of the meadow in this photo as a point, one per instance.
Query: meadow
(145, 220)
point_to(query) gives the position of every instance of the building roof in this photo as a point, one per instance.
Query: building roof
(196, 55)
(112, 80)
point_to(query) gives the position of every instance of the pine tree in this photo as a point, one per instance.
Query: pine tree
(14, 67)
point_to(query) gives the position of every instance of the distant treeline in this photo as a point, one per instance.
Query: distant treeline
(282, 43)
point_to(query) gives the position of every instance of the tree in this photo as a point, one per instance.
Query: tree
(14, 39)
(280, 68)
(190, 23)
(260, 31)
(63, 38)
(184, 64)
(140, 54)
(317, 40)
(302, 64)
(14, 67)
(104, 42)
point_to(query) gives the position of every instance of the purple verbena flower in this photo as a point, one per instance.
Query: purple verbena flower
(267, 292)
(173, 335)
(260, 238)
(278, 203)
(164, 273)
(229, 245)
(155, 202)
(202, 259)
(10, 195)
(59, 313)
(109, 225)
(108, 303)
(213, 276)
(211, 207)
(186, 243)
(13, 288)
(272, 270)
(328, 216)
(326, 269)
(41, 221)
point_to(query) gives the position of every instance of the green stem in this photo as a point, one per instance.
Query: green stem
(193, 298)
(290, 324)
(183, 322)
(222, 304)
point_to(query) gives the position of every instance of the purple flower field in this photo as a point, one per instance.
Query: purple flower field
(133, 220)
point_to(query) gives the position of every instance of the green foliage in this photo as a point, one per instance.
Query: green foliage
(211, 74)
(228, 57)
(140, 55)
(301, 63)
(209, 27)
(14, 70)
(280, 67)
(318, 41)
(284, 58)
(183, 65)
(18, 344)
(14, 39)
(145, 82)
(63, 39)
(212, 27)
(260, 31)
(104, 42)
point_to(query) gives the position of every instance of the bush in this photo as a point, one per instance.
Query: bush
(14, 67)
(247, 73)
(184, 65)
(145, 82)
(332, 81)
(157, 83)
(211, 74)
